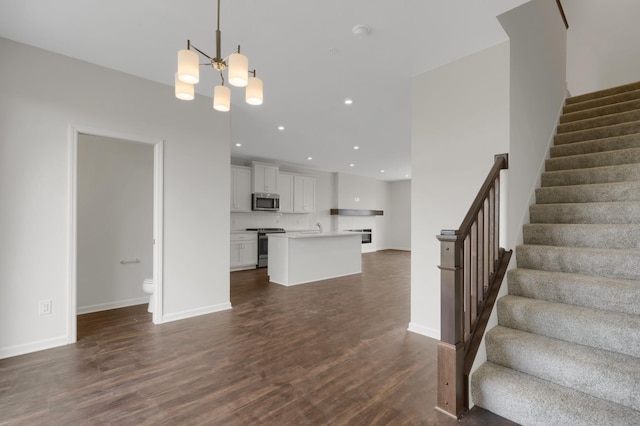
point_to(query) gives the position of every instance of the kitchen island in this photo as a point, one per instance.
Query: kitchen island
(298, 258)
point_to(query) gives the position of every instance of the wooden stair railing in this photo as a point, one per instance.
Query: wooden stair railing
(472, 269)
(562, 14)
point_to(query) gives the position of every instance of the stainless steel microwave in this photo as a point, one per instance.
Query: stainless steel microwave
(265, 202)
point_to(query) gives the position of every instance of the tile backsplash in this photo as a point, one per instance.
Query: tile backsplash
(287, 221)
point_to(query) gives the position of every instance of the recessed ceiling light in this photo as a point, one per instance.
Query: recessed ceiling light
(381, 171)
(309, 158)
(356, 147)
(351, 165)
(348, 101)
(238, 144)
(281, 128)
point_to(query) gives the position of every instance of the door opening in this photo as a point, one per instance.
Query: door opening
(116, 239)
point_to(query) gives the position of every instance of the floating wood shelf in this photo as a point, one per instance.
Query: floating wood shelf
(356, 212)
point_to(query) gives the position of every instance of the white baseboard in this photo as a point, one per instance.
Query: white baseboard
(27, 348)
(196, 312)
(424, 330)
(112, 305)
(399, 248)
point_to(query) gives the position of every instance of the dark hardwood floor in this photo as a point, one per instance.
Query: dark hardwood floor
(334, 352)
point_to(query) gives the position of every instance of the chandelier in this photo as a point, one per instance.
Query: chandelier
(236, 64)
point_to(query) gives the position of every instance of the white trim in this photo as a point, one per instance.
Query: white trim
(197, 312)
(158, 230)
(72, 332)
(112, 305)
(424, 330)
(158, 203)
(27, 348)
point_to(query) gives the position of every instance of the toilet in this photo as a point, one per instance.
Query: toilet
(149, 287)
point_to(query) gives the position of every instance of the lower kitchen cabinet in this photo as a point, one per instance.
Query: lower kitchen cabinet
(244, 251)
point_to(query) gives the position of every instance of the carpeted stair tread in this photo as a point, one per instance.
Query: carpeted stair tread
(599, 145)
(602, 174)
(600, 121)
(610, 263)
(597, 133)
(590, 193)
(618, 212)
(600, 111)
(603, 374)
(601, 101)
(623, 88)
(596, 159)
(575, 289)
(531, 401)
(611, 236)
(598, 328)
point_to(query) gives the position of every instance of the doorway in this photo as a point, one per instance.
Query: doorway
(91, 146)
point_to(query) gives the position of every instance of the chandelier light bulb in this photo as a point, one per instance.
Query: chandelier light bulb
(238, 70)
(254, 91)
(188, 66)
(222, 98)
(184, 90)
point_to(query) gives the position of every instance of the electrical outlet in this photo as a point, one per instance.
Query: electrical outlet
(44, 307)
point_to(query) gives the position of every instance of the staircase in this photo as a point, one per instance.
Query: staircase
(567, 347)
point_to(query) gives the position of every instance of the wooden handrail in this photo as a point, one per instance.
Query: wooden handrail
(472, 269)
(564, 17)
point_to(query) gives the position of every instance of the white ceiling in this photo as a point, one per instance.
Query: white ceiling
(290, 43)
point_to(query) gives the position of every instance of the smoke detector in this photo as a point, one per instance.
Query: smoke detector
(361, 30)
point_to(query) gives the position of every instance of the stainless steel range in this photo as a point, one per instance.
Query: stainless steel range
(263, 244)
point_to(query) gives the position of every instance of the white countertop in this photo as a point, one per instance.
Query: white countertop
(316, 235)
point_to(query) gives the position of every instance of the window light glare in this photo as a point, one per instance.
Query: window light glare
(281, 128)
(356, 147)
(351, 165)
(309, 158)
(348, 101)
(381, 171)
(238, 144)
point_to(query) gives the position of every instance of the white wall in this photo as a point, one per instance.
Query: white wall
(41, 95)
(537, 91)
(115, 222)
(398, 221)
(602, 44)
(362, 193)
(460, 120)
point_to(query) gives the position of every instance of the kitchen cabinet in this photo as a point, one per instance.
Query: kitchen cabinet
(244, 250)
(265, 178)
(304, 194)
(285, 189)
(240, 189)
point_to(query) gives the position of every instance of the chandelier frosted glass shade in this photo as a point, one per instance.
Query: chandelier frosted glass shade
(184, 90)
(236, 66)
(254, 91)
(222, 98)
(188, 67)
(238, 70)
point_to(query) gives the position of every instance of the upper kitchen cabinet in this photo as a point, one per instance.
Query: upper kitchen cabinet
(304, 194)
(265, 178)
(240, 189)
(285, 189)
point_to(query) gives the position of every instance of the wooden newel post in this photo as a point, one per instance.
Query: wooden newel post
(452, 386)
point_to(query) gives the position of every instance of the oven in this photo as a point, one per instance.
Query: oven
(366, 234)
(263, 244)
